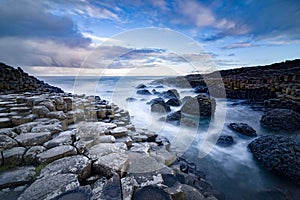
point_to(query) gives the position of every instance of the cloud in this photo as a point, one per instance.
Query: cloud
(239, 45)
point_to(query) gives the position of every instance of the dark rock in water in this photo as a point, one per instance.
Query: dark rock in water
(155, 92)
(170, 94)
(281, 119)
(131, 99)
(243, 128)
(173, 102)
(159, 105)
(184, 166)
(278, 154)
(141, 86)
(201, 105)
(143, 92)
(169, 179)
(151, 192)
(175, 116)
(225, 140)
(201, 89)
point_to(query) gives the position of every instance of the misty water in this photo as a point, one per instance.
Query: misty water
(231, 170)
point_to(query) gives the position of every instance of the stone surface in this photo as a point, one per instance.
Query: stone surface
(278, 154)
(14, 156)
(53, 128)
(281, 119)
(163, 156)
(225, 140)
(5, 122)
(7, 142)
(78, 164)
(80, 193)
(119, 132)
(127, 184)
(64, 138)
(56, 153)
(143, 92)
(151, 192)
(33, 139)
(112, 188)
(107, 139)
(201, 105)
(30, 155)
(243, 128)
(143, 163)
(117, 162)
(159, 105)
(16, 177)
(49, 187)
(57, 115)
(102, 149)
(173, 102)
(41, 111)
(97, 188)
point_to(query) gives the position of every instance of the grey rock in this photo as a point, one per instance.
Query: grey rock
(8, 131)
(78, 164)
(225, 140)
(200, 105)
(7, 142)
(103, 149)
(33, 139)
(64, 138)
(119, 132)
(41, 111)
(112, 188)
(5, 122)
(25, 128)
(163, 156)
(49, 187)
(170, 94)
(30, 155)
(127, 184)
(60, 115)
(16, 177)
(87, 130)
(14, 156)
(56, 153)
(141, 163)
(191, 192)
(107, 139)
(53, 128)
(117, 162)
(281, 119)
(159, 105)
(97, 188)
(143, 92)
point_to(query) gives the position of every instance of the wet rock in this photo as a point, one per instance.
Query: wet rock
(243, 128)
(191, 192)
(143, 92)
(14, 156)
(78, 164)
(170, 94)
(31, 153)
(112, 188)
(281, 119)
(173, 102)
(151, 192)
(201, 105)
(119, 132)
(97, 188)
(33, 139)
(140, 86)
(50, 187)
(5, 122)
(225, 140)
(174, 117)
(159, 105)
(276, 153)
(41, 111)
(176, 192)
(16, 177)
(64, 138)
(7, 142)
(163, 156)
(131, 99)
(56, 153)
(117, 162)
(201, 89)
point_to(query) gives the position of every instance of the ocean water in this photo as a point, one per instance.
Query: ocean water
(231, 170)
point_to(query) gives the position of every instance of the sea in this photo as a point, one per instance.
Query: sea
(231, 170)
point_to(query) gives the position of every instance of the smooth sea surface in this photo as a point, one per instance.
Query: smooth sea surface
(231, 170)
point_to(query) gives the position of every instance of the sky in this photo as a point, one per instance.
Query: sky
(149, 37)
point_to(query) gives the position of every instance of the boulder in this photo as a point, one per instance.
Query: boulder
(103, 149)
(170, 94)
(16, 177)
(201, 89)
(14, 156)
(284, 119)
(56, 153)
(7, 142)
(143, 92)
(243, 129)
(78, 164)
(159, 105)
(60, 115)
(131, 99)
(31, 153)
(225, 140)
(33, 139)
(52, 128)
(49, 187)
(41, 111)
(201, 105)
(173, 102)
(141, 86)
(278, 154)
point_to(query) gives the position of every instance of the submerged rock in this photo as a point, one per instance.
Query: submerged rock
(285, 119)
(243, 128)
(143, 92)
(225, 140)
(278, 154)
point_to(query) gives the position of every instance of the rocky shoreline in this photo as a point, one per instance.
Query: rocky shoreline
(56, 145)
